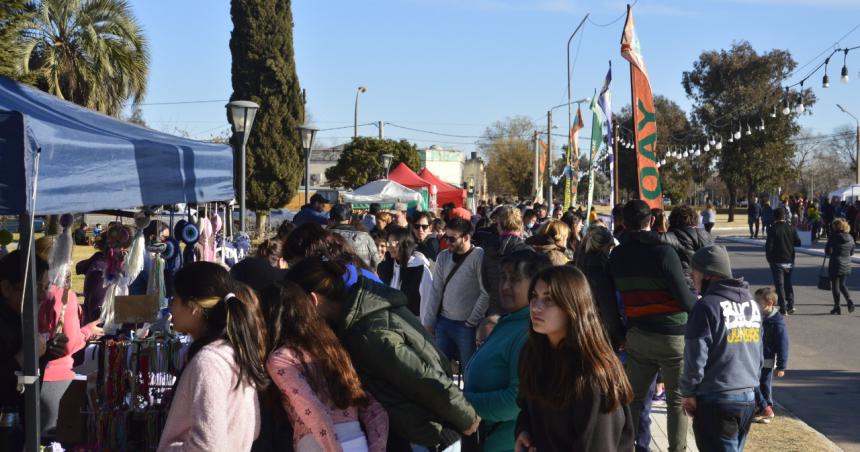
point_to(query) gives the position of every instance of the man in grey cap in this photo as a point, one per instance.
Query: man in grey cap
(722, 354)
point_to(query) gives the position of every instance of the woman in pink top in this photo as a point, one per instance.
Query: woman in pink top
(60, 321)
(320, 389)
(215, 406)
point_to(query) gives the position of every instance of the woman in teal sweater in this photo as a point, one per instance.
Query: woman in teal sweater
(491, 377)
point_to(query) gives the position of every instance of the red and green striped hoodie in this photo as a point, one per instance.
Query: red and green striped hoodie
(650, 281)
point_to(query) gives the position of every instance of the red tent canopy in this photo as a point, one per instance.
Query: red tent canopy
(445, 192)
(406, 177)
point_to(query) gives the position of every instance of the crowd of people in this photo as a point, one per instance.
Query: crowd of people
(509, 328)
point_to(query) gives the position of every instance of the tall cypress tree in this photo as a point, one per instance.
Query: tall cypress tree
(264, 71)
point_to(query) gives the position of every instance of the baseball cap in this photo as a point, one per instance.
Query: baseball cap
(460, 212)
(318, 198)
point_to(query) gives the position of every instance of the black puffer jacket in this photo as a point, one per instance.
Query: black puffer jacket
(495, 249)
(399, 364)
(686, 241)
(595, 265)
(840, 248)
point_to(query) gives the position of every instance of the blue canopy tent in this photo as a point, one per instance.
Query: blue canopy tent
(58, 157)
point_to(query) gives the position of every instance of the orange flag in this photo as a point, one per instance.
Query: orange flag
(570, 186)
(644, 123)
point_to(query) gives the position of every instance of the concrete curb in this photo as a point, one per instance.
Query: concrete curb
(788, 413)
(809, 251)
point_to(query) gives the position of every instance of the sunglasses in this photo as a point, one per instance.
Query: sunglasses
(450, 239)
(423, 227)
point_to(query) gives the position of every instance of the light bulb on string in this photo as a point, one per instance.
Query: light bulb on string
(686, 153)
(749, 129)
(762, 125)
(738, 133)
(800, 108)
(707, 147)
(844, 77)
(698, 153)
(825, 82)
(719, 144)
(731, 138)
(773, 113)
(786, 110)
(712, 141)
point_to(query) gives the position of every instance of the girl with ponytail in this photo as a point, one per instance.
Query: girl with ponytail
(215, 404)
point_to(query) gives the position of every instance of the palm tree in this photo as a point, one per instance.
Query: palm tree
(90, 52)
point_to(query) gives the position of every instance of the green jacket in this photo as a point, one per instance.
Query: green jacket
(399, 364)
(492, 381)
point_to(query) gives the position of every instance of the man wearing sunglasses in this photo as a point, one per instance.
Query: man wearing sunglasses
(458, 300)
(428, 244)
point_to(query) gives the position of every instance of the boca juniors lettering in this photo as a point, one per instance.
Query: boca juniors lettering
(743, 321)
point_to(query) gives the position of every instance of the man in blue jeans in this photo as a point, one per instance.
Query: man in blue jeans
(458, 301)
(722, 354)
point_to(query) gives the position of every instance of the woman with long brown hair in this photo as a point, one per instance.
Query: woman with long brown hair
(573, 393)
(215, 405)
(320, 389)
(394, 356)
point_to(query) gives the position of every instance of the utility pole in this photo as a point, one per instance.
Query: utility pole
(536, 186)
(616, 192)
(381, 130)
(549, 161)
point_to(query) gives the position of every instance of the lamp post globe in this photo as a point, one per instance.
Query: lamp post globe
(241, 114)
(386, 162)
(308, 133)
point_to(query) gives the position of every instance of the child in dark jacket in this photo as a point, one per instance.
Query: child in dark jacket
(775, 348)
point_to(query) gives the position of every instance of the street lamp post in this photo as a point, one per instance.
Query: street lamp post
(241, 114)
(569, 94)
(857, 137)
(308, 134)
(386, 162)
(361, 89)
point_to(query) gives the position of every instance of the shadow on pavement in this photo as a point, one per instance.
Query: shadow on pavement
(827, 400)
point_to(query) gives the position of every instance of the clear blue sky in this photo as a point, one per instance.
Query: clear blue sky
(455, 66)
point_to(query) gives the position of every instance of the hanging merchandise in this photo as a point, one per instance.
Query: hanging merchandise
(129, 402)
(206, 243)
(217, 235)
(125, 262)
(61, 253)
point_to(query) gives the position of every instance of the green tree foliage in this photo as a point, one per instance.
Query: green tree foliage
(738, 88)
(14, 16)
(264, 71)
(361, 161)
(508, 146)
(90, 52)
(673, 130)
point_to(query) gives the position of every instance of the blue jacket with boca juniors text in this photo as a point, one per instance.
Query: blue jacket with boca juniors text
(723, 347)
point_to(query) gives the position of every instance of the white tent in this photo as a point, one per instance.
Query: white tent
(849, 193)
(385, 192)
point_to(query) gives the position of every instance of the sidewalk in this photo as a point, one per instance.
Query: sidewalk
(659, 435)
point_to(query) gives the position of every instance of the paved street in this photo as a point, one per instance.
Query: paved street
(822, 385)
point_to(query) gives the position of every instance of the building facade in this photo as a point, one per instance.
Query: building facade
(475, 177)
(321, 160)
(446, 164)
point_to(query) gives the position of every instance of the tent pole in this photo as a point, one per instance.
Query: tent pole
(27, 246)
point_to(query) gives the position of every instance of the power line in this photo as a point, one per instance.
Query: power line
(614, 21)
(185, 102)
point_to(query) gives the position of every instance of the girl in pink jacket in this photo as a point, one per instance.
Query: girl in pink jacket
(320, 389)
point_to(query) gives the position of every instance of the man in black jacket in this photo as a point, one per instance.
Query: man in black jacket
(656, 299)
(685, 237)
(779, 250)
(754, 217)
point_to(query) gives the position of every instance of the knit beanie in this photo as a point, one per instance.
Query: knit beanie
(713, 260)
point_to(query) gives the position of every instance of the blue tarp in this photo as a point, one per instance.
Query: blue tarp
(90, 161)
